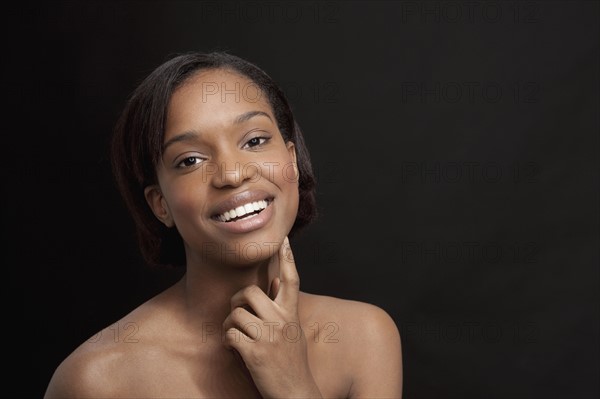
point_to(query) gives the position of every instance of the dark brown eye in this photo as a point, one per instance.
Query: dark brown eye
(189, 161)
(253, 142)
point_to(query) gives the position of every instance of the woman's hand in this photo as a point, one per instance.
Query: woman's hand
(270, 340)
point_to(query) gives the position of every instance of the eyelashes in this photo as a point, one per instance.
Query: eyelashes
(255, 142)
(188, 162)
(193, 160)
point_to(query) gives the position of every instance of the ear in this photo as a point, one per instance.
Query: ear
(158, 204)
(292, 152)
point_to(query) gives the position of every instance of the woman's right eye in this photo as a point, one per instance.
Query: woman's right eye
(189, 161)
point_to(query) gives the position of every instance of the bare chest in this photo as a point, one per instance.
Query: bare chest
(216, 375)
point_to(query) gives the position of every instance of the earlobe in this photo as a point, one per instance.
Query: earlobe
(158, 204)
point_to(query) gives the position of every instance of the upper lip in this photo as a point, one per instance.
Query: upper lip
(240, 199)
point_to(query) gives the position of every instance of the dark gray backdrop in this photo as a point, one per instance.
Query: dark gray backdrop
(456, 150)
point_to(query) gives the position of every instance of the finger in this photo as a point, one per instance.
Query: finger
(255, 298)
(237, 340)
(241, 346)
(274, 289)
(244, 322)
(273, 268)
(289, 284)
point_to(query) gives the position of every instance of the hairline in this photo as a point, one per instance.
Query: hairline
(195, 74)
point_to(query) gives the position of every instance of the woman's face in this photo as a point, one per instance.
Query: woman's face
(227, 181)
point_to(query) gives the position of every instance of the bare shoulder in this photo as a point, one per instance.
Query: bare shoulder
(101, 365)
(367, 343)
(89, 370)
(365, 321)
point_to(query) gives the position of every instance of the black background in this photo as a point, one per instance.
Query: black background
(455, 145)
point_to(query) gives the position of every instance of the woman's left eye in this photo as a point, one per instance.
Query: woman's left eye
(255, 141)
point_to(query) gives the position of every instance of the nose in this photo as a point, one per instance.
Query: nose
(232, 169)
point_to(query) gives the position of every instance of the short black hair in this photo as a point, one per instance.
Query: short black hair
(137, 146)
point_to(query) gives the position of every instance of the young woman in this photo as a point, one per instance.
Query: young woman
(214, 169)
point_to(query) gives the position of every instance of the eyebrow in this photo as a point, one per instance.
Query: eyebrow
(249, 115)
(191, 135)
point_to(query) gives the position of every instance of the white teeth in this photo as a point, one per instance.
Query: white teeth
(242, 210)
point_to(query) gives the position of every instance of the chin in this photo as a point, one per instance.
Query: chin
(241, 250)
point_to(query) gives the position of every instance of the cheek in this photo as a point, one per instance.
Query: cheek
(294, 201)
(184, 203)
(280, 170)
(280, 173)
(289, 173)
(287, 180)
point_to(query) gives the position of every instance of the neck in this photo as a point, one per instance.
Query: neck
(207, 288)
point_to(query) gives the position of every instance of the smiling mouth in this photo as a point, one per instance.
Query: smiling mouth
(246, 211)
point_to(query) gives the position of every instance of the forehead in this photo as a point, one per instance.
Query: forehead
(218, 87)
(213, 99)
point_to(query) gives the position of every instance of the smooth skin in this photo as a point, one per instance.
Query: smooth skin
(229, 327)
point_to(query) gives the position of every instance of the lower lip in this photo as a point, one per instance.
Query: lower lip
(247, 225)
